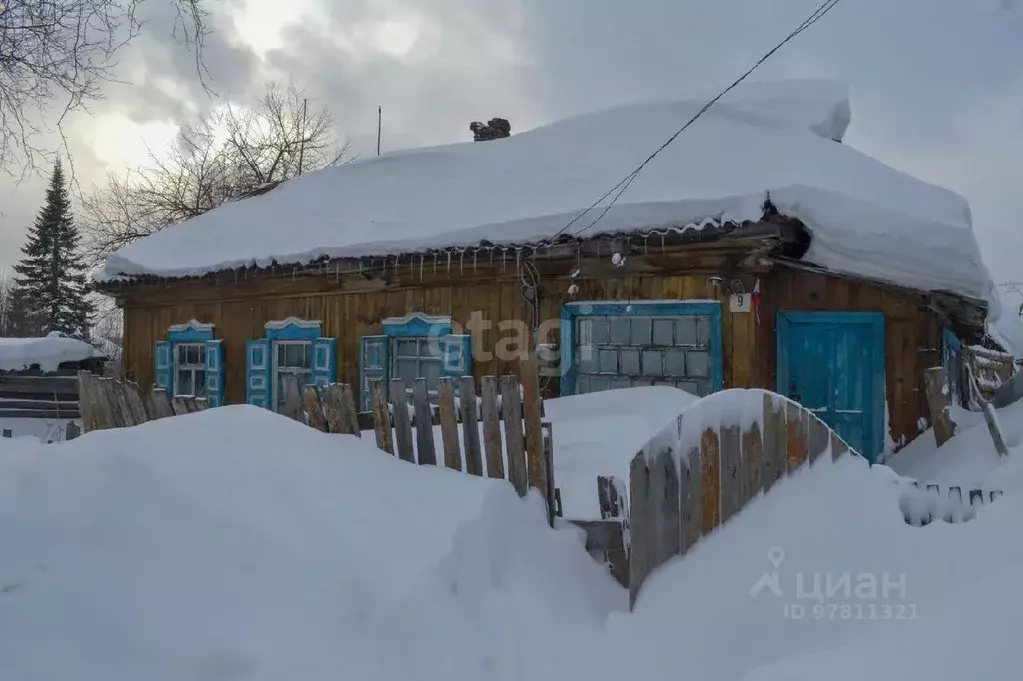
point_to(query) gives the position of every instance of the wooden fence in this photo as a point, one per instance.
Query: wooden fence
(516, 444)
(922, 505)
(38, 397)
(500, 434)
(732, 445)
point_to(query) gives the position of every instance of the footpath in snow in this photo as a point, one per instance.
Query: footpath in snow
(235, 544)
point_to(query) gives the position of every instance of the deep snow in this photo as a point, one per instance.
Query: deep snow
(772, 138)
(235, 544)
(17, 354)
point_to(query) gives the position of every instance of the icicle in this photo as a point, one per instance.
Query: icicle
(475, 254)
(461, 262)
(422, 262)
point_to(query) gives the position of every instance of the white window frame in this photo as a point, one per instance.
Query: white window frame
(393, 358)
(277, 370)
(178, 367)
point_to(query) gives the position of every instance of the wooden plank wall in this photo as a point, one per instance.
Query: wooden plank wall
(240, 311)
(912, 335)
(348, 316)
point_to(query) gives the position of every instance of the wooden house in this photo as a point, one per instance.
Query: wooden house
(809, 269)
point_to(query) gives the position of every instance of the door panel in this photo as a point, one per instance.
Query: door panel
(833, 364)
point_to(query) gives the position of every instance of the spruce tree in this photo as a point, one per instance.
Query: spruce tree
(50, 280)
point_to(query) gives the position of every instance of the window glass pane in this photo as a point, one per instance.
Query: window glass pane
(640, 331)
(406, 348)
(429, 347)
(698, 363)
(407, 369)
(690, 387)
(598, 383)
(199, 378)
(629, 362)
(703, 327)
(608, 362)
(193, 354)
(651, 363)
(281, 357)
(584, 331)
(686, 333)
(620, 330)
(179, 353)
(431, 372)
(183, 382)
(587, 359)
(675, 362)
(641, 382)
(296, 355)
(202, 355)
(600, 333)
(663, 331)
(620, 383)
(583, 384)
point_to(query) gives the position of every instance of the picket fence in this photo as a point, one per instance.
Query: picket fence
(516, 444)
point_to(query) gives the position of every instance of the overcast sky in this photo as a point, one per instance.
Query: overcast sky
(937, 85)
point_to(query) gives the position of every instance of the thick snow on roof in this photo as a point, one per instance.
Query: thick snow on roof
(17, 354)
(776, 138)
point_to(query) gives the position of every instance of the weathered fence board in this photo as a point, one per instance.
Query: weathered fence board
(427, 454)
(731, 470)
(511, 411)
(491, 417)
(752, 461)
(533, 436)
(795, 447)
(402, 425)
(641, 531)
(690, 501)
(817, 438)
(664, 487)
(710, 476)
(449, 424)
(313, 408)
(470, 429)
(381, 417)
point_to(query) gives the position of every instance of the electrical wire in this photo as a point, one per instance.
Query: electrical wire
(627, 181)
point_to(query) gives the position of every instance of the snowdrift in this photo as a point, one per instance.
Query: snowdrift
(234, 543)
(765, 139)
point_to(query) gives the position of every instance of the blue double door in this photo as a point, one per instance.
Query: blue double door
(833, 364)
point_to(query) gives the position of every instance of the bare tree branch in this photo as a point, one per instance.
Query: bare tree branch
(232, 152)
(55, 56)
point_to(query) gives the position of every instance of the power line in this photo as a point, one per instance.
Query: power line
(627, 181)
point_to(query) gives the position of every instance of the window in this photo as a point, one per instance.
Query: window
(291, 347)
(614, 345)
(190, 369)
(190, 362)
(415, 357)
(291, 358)
(413, 347)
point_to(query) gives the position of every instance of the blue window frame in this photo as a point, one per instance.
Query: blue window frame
(414, 346)
(291, 347)
(190, 362)
(609, 345)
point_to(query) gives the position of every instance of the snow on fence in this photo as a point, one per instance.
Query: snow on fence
(723, 451)
(921, 506)
(508, 412)
(112, 403)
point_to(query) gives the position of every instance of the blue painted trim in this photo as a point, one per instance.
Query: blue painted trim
(189, 336)
(417, 324)
(373, 364)
(308, 331)
(876, 321)
(570, 311)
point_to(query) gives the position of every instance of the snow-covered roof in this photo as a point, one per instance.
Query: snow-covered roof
(773, 138)
(17, 354)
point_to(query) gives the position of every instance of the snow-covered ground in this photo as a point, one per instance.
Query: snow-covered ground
(235, 544)
(47, 430)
